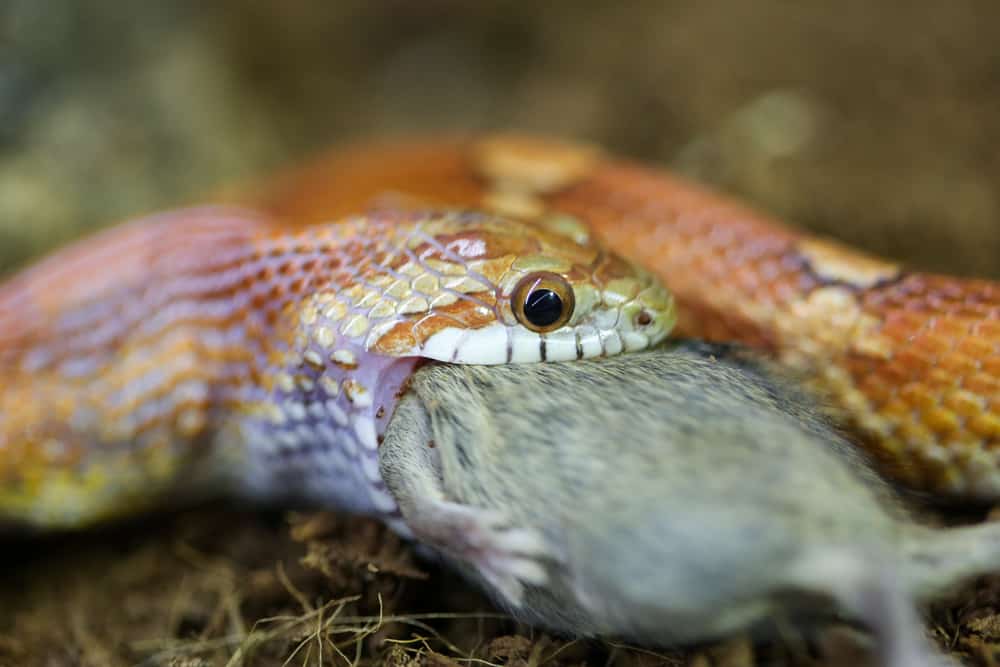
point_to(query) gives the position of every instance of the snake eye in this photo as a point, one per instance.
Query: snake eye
(543, 301)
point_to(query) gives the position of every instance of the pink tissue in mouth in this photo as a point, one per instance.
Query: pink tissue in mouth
(389, 387)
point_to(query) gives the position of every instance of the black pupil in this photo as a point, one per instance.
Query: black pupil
(543, 307)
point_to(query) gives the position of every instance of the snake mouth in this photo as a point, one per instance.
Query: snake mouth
(501, 344)
(392, 384)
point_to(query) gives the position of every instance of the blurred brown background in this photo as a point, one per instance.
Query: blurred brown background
(877, 121)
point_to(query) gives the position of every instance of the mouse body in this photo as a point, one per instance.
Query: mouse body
(665, 498)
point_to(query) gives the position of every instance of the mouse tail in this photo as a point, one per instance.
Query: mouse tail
(936, 561)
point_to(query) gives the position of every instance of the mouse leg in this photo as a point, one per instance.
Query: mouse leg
(505, 556)
(870, 589)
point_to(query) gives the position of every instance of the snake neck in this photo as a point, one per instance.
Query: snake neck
(315, 436)
(318, 400)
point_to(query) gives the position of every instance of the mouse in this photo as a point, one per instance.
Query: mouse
(665, 498)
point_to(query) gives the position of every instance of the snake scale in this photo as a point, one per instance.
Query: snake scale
(262, 346)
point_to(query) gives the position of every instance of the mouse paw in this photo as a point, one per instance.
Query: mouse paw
(506, 557)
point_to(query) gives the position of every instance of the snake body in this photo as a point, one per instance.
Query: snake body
(911, 359)
(262, 346)
(222, 347)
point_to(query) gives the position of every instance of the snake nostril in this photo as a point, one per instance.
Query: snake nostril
(643, 318)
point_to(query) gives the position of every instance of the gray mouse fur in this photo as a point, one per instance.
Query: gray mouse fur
(665, 497)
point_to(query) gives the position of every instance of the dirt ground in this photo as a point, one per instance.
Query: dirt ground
(877, 122)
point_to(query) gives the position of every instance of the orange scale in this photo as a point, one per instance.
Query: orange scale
(991, 365)
(879, 394)
(916, 360)
(988, 329)
(975, 347)
(987, 426)
(951, 328)
(898, 408)
(902, 323)
(964, 403)
(919, 396)
(981, 383)
(941, 420)
(909, 431)
(938, 377)
(958, 364)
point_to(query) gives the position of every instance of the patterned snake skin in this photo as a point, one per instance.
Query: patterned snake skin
(912, 359)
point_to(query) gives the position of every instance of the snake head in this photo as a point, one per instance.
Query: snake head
(480, 289)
